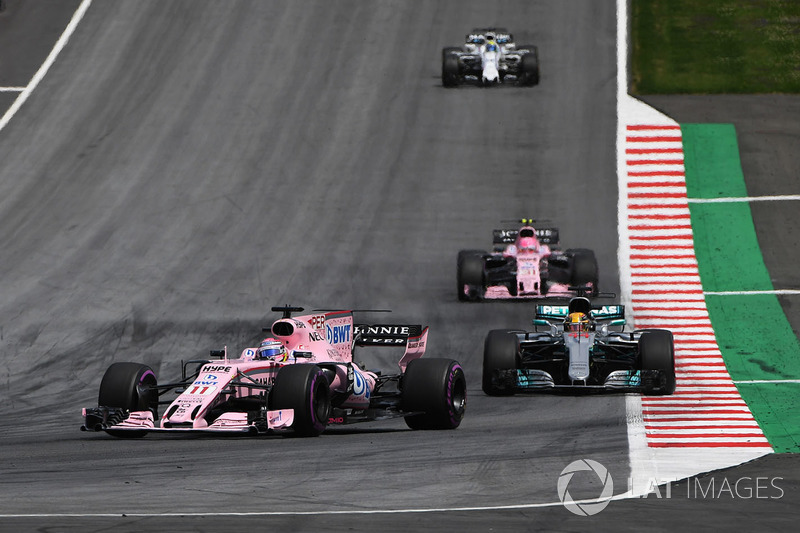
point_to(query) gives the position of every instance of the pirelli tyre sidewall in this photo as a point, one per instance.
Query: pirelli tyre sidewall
(305, 389)
(657, 352)
(129, 386)
(500, 352)
(437, 389)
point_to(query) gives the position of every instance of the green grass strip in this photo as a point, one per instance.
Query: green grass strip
(756, 340)
(715, 46)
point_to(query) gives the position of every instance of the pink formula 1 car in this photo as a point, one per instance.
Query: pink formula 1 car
(526, 263)
(302, 379)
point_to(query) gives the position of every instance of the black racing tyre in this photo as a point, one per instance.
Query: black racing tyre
(470, 271)
(500, 352)
(584, 267)
(438, 388)
(305, 389)
(449, 70)
(657, 352)
(129, 386)
(529, 65)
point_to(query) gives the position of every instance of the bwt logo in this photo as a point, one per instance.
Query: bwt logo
(337, 334)
(585, 507)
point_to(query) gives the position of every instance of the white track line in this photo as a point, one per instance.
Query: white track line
(746, 293)
(744, 199)
(62, 41)
(767, 381)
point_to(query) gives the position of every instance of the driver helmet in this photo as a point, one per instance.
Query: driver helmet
(491, 47)
(527, 240)
(577, 323)
(272, 349)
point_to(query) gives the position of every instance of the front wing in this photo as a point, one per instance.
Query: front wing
(521, 380)
(122, 420)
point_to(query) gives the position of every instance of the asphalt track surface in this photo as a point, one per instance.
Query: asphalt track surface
(186, 165)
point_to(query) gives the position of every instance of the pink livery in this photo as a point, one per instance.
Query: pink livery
(300, 379)
(526, 263)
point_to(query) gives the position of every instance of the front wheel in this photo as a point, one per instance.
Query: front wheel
(437, 389)
(305, 389)
(500, 352)
(529, 67)
(657, 352)
(449, 69)
(470, 275)
(130, 386)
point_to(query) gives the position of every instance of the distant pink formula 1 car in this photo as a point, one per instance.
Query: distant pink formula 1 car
(526, 264)
(302, 379)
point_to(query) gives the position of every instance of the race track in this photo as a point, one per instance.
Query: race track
(186, 165)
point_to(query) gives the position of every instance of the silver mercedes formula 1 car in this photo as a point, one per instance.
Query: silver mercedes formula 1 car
(579, 351)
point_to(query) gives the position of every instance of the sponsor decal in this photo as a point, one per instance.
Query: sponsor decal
(383, 330)
(359, 385)
(337, 334)
(553, 310)
(216, 368)
(208, 379)
(416, 344)
(317, 321)
(606, 310)
(336, 420)
(314, 336)
(265, 381)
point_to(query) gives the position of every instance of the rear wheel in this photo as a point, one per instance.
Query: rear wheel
(584, 268)
(500, 352)
(129, 386)
(305, 389)
(470, 273)
(438, 389)
(657, 352)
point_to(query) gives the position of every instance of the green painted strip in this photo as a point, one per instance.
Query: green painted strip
(756, 340)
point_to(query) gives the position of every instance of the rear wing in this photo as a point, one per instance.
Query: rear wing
(502, 237)
(560, 312)
(414, 337)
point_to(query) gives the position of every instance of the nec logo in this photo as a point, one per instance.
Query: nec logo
(337, 334)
